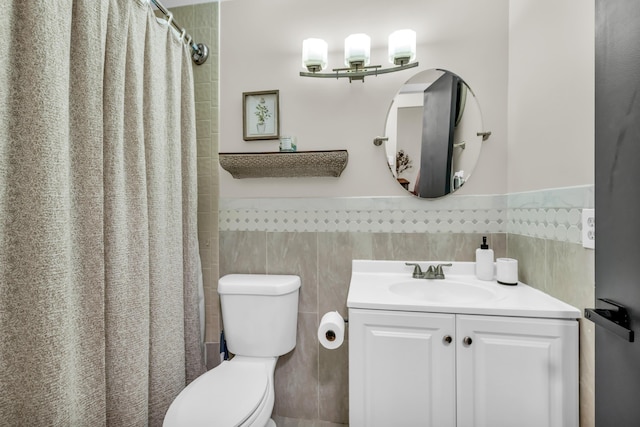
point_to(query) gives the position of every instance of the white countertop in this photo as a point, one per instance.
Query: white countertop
(370, 282)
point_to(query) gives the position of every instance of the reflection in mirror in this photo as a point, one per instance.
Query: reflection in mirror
(432, 129)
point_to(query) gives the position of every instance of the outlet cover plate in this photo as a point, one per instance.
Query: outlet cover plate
(589, 228)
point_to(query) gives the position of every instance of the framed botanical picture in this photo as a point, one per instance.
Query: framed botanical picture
(260, 115)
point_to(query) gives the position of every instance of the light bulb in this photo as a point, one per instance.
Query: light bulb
(314, 54)
(402, 47)
(357, 49)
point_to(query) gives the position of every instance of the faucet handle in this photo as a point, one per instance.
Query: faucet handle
(439, 272)
(417, 271)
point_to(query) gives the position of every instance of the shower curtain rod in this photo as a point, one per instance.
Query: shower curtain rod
(199, 52)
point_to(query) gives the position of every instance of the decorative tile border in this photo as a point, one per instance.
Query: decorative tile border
(466, 214)
(554, 214)
(549, 214)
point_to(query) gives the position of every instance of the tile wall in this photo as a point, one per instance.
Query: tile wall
(312, 382)
(321, 236)
(201, 21)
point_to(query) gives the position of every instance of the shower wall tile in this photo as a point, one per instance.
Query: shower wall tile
(203, 130)
(213, 94)
(206, 253)
(202, 33)
(206, 16)
(201, 21)
(205, 186)
(203, 92)
(214, 119)
(204, 74)
(205, 166)
(205, 222)
(203, 110)
(185, 16)
(205, 205)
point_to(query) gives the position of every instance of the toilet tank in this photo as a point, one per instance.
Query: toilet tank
(260, 313)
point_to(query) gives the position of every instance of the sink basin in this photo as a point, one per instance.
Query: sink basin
(443, 291)
(388, 285)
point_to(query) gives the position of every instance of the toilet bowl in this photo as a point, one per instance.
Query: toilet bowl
(239, 392)
(260, 318)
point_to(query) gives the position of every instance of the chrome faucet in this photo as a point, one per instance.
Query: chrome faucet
(433, 271)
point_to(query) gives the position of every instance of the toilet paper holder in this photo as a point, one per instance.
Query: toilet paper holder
(330, 335)
(331, 330)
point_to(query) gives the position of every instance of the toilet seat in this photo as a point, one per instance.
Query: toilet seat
(227, 396)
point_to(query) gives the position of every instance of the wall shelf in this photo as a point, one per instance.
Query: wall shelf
(285, 164)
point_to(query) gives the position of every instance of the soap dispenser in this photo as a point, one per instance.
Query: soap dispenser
(484, 261)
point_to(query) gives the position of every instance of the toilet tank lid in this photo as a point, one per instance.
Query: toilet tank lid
(258, 284)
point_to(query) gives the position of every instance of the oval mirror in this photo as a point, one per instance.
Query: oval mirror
(433, 134)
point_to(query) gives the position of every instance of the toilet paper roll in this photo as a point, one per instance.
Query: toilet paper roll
(507, 271)
(331, 330)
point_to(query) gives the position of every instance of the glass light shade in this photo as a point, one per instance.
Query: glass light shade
(402, 46)
(314, 54)
(357, 48)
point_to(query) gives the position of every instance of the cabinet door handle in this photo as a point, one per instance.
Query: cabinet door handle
(467, 341)
(447, 339)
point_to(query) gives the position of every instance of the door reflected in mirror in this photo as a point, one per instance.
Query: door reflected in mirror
(434, 130)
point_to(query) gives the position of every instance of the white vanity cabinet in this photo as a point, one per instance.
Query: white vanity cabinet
(401, 372)
(444, 370)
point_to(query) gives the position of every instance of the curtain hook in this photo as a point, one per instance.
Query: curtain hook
(169, 19)
(184, 31)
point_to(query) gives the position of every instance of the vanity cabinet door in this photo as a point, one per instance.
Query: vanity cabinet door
(517, 372)
(401, 369)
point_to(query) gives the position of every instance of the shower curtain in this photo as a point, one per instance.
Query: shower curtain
(99, 320)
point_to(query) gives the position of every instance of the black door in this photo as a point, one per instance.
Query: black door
(617, 202)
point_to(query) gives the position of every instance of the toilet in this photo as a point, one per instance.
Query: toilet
(260, 314)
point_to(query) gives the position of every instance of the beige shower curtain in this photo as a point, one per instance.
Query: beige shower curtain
(98, 236)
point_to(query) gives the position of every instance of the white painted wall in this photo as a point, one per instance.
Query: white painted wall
(260, 49)
(551, 94)
(540, 52)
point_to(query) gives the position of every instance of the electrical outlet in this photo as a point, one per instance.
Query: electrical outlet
(589, 228)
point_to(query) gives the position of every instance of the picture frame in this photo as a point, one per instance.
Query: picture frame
(261, 115)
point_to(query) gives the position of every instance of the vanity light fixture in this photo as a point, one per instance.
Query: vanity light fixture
(357, 56)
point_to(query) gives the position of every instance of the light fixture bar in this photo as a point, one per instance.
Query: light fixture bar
(359, 73)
